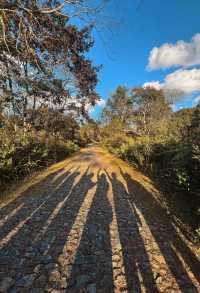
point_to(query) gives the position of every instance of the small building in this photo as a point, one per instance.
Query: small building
(131, 132)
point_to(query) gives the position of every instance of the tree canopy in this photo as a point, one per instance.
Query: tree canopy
(135, 108)
(42, 57)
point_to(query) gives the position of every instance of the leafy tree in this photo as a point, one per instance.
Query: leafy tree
(42, 56)
(181, 121)
(55, 123)
(47, 82)
(142, 109)
(152, 110)
(194, 137)
(118, 106)
(167, 147)
(195, 125)
(90, 132)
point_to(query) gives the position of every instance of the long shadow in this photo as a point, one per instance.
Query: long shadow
(58, 232)
(165, 234)
(26, 195)
(135, 257)
(53, 241)
(30, 201)
(92, 267)
(47, 244)
(20, 251)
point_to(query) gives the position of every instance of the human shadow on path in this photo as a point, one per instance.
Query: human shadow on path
(32, 201)
(58, 232)
(39, 230)
(135, 257)
(42, 238)
(46, 181)
(166, 236)
(92, 267)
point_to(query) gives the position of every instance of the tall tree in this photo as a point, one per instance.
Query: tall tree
(152, 110)
(144, 109)
(180, 124)
(118, 106)
(195, 124)
(42, 56)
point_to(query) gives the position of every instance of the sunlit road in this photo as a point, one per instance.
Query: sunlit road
(92, 224)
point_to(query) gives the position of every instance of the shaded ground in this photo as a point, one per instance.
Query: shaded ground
(93, 224)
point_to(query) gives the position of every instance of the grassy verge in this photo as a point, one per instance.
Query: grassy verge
(174, 172)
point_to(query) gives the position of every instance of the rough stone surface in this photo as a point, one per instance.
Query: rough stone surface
(93, 225)
(26, 281)
(5, 284)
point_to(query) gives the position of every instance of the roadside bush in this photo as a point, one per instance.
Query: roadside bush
(89, 133)
(174, 165)
(175, 162)
(21, 153)
(165, 143)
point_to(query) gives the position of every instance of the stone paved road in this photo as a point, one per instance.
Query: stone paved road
(92, 224)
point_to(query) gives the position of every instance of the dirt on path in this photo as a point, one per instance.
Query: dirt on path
(92, 224)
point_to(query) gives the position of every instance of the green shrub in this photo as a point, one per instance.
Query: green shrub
(21, 153)
(174, 165)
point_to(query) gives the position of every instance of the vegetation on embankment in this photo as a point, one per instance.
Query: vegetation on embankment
(22, 152)
(47, 84)
(162, 143)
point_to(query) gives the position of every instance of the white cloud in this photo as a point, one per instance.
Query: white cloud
(153, 84)
(196, 101)
(187, 81)
(180, 81)
(89, 108)
(101, 103)
(176, 107)
(173, 55)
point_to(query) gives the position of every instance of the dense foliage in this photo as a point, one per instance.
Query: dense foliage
(47, 83)
(22, 152)
(42, 58)
(162, 143)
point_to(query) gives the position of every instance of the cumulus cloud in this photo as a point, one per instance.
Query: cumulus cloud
(182, 81)
(188, 81)
(153, 84)
(174, 55)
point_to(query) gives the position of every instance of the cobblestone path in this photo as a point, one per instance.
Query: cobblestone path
(93, 224)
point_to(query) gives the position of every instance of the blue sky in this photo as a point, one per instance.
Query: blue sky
(137, 27)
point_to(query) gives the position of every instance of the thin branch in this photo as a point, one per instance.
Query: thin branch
(4, 33)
